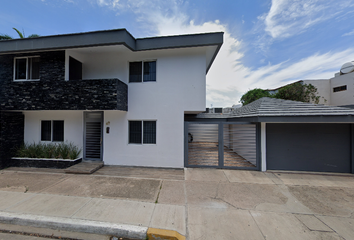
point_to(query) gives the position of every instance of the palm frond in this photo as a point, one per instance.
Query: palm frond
(19, 33)
(5, 37)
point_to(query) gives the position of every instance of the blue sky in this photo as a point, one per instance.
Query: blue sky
(267, 43)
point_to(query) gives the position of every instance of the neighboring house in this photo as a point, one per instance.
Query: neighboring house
(336, 91)
(121, 99)
(273, 134)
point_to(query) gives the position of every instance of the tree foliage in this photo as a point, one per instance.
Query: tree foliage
(20, 34)
(5, 37)
(253, 95)
(298, 92)
(295, 92)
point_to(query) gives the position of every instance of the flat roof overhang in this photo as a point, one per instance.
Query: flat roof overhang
(276, 119)
(303, 119)
(113, 37)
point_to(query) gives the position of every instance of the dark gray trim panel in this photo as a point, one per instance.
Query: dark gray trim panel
(112, 37)
(258, 147)
(297, 119)
(88, 39)
(179, 41)
(185, 144)
(221, 144)
(273, 119)
(352, 147)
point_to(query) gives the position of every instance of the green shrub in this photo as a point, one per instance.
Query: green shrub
(49, 150)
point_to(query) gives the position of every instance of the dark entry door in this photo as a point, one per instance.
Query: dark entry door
(93, 136)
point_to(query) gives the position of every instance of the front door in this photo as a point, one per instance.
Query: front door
(93, 136)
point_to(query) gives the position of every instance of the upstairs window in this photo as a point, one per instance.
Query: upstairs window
(52, 130)
(142, 132)
(142, 71)
(341, 88)
(26, 68)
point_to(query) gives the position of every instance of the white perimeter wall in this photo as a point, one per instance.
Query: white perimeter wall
(343, 97)
(323, 89)
(73, 125)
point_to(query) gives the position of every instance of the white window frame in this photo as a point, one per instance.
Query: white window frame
(142, 132)
(27, 70)
(142, 70)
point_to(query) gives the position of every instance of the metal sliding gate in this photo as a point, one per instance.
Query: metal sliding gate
(222, 145)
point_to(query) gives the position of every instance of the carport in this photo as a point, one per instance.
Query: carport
(219, 143)
(289, 135)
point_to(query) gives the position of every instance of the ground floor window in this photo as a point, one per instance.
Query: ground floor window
(142, 132)
(52, 130)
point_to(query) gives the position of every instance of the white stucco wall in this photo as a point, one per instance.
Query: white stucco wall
(167, 152)
(343, 97)
(73, 125)
(323, 89)
(181, 75)
(180, 87)
(97, 65)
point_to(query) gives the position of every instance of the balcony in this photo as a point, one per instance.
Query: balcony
(98, 94)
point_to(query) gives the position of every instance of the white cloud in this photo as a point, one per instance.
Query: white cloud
(287, 17)
(228, 78)
(348, 33)
(109, 3)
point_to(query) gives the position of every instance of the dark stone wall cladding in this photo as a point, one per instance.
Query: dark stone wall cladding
(11, 135)
(40, 163)
(52, 92)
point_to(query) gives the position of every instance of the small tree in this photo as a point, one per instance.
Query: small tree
(298, 92)
(253, 95)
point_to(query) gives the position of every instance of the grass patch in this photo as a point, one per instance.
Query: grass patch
(49, 150)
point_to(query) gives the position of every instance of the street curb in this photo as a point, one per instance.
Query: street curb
(75, 225)
(162, 234)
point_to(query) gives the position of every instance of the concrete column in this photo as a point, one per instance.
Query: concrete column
(263, 147)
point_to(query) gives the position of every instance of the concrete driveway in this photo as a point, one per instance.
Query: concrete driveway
(198, 203)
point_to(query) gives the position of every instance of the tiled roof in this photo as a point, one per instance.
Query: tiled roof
(279, 107)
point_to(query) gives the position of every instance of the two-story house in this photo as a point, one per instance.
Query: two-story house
(336, 91)
(121, 99)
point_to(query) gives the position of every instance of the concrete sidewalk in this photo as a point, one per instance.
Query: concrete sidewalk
(197, 203)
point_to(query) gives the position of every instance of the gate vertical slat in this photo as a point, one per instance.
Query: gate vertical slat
(221, 144)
